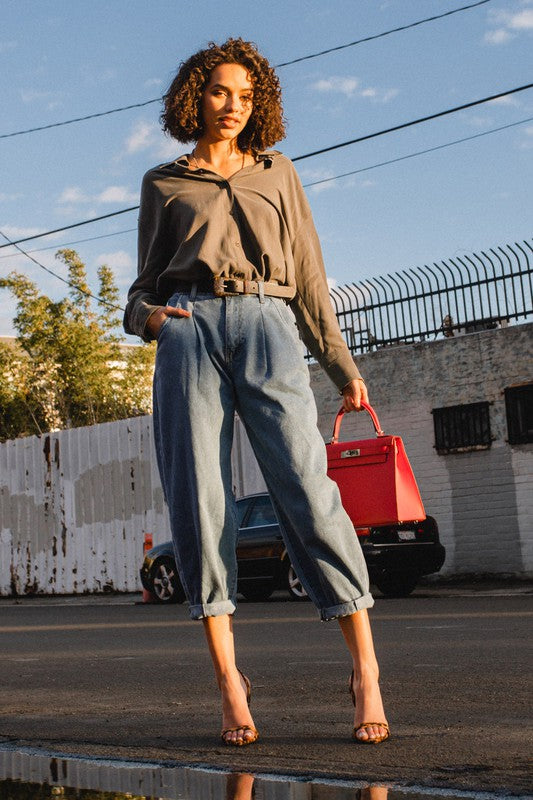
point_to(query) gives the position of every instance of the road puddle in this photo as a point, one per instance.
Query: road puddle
(31, 774)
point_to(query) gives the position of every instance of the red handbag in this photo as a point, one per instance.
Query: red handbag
(375, 478)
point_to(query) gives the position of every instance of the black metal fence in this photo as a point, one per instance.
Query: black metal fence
(460, 295)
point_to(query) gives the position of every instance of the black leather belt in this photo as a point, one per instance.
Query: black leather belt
(223, 287)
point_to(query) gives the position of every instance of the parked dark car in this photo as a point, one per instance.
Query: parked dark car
(396, 557)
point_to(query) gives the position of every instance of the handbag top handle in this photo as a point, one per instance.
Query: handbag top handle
(340, 414)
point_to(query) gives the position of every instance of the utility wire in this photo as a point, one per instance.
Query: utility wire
(60, 277)
(381, 35)
(69, 227)
(413, 155)
(76, 241)
(276, 66)
(306, 155)
(415, 122)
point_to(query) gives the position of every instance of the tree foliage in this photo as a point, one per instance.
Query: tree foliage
(67, 367)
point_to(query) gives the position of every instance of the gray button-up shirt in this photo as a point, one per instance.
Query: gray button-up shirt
(255, 225)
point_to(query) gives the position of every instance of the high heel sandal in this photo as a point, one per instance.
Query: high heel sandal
(363, 725)
(244, 728)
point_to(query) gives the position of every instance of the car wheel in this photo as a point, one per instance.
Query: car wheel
(395, 584)
(293, 583)
(166, 585)
(257, 591)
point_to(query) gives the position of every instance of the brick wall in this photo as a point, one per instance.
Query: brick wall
(482, 500)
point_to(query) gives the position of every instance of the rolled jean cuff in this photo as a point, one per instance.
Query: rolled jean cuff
(345, 609)
(212, 609)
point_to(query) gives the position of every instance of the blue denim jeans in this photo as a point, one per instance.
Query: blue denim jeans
(243, 354)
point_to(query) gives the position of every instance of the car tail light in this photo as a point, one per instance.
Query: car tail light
(363, 531)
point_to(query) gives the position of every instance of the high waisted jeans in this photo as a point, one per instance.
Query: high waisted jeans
(243, 354)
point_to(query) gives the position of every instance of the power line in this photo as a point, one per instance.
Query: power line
(76, 241)
(79, 119)
(381, 35)
(415, 122)
(59, 277)
(306, 155)
(69, 227)
(418, 153)
(276, 66)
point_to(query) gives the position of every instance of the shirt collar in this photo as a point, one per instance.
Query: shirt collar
(183, 160)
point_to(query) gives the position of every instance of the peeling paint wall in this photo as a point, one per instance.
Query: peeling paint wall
(75, 505)
(74, 508)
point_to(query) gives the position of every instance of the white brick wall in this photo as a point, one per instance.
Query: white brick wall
(483, 500)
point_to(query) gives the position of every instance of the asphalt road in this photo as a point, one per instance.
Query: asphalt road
(112, 677)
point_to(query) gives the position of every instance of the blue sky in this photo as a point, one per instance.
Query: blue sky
(62, 59)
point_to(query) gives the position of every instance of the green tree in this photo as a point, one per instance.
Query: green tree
(69, 368)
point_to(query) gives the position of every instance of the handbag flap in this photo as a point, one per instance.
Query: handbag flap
(359, 452)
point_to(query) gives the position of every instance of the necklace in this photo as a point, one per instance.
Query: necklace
(195, 159)
(197, 165)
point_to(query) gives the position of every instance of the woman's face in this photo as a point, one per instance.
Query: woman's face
(227, 102)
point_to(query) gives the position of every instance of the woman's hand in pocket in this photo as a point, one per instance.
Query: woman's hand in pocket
(155, 320)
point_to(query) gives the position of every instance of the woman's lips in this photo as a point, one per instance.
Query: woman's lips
(231, 121)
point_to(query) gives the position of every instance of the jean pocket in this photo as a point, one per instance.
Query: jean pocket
(286, 316)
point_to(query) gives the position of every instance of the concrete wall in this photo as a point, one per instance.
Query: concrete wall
(482, 500)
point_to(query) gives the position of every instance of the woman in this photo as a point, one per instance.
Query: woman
(229, 261)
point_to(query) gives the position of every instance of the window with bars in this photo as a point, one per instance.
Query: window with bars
(460, 429)
(519, 408)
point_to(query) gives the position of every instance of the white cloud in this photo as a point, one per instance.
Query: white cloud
(351, 87)
(505, 100)
(499, 36)
(508, 25)
(527, 143)
(6, 47)
(142, 136)
(120, 262)
(332, 283)
(52, 99)
(337, 83)
(73, 195)
(153, 82)
(311, 175)
(14, 232)
(167, 148)
(117, 194)
(523, 21)
(149, 136)
(389, 94)
(4, 197)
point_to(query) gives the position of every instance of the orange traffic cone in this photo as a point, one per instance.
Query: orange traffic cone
(148, 543)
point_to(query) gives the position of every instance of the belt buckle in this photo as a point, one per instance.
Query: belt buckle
(222, 286)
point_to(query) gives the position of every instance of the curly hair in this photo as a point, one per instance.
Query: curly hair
(182, 113)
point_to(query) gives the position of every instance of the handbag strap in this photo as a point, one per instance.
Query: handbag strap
(373, 417)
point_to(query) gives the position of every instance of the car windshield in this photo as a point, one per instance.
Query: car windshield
(262, 513)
